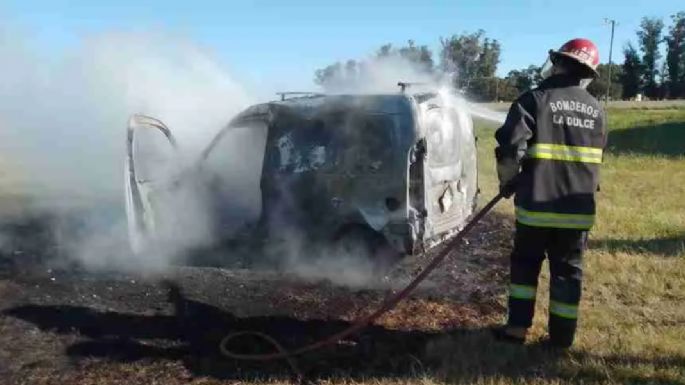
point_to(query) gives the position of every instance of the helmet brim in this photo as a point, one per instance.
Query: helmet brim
(555, 54)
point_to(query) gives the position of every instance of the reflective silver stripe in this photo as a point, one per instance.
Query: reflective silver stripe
(565, 153)
(557, 220)
(522, 291)
(563, 310)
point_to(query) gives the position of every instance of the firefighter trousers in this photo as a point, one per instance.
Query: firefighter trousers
(564, 248)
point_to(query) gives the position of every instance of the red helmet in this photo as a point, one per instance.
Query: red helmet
(582, 51)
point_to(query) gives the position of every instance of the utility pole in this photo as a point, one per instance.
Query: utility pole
(496, 89)
(611, 49)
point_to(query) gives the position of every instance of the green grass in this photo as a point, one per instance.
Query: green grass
(641, 205)
(632, 326)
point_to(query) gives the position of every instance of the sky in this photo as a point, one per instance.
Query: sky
(279, 44)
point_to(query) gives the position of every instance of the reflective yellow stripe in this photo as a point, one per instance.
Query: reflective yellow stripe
(563, 147)
(563, 221)
(563, 310)
(565, 153)
(522, 291)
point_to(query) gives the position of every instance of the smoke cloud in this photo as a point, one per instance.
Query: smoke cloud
(63, 137)
(4, 242)
(63, 119)
(63, 124)
(382, 75)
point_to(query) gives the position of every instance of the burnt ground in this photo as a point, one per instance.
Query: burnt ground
(68, 326)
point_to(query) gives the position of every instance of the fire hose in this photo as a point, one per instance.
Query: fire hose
(363, 321)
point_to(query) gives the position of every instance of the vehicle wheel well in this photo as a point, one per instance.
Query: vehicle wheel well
(383, 255)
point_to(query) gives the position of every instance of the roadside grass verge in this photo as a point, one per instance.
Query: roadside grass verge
(632, 324)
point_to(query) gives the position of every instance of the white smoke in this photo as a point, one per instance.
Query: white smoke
(63, 119)
(63, 135)
(62, 141)
(381, 75)
(4, 242)
(63, 122)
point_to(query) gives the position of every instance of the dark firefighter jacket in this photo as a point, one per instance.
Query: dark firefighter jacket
(556, 133)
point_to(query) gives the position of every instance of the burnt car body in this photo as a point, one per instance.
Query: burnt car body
(396, 167)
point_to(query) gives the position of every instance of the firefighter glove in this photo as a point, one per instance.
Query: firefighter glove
(507, 170)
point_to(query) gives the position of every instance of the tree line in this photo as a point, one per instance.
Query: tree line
(472, 59)
(644, 71)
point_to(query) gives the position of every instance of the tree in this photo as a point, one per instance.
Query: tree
(525, 79)
(598, 88)
(631, 80)
(487, 62)
(483, 89)
(328, 74)
(460, 55)
(507, 89)
(419, 55)
(355, 72)
(384, 51)
(663, 81)
(472, 59)
(649, 37)
(675, 56)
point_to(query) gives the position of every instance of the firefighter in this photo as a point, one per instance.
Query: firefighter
(548, 154)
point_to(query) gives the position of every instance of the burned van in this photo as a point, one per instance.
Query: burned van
(395, 170)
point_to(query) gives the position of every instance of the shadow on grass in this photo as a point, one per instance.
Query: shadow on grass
(625, 370)
(665, 247)
(470, 357)
(192, 334)
(666, 139)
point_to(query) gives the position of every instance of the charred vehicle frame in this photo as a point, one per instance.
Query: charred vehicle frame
(396, 170)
